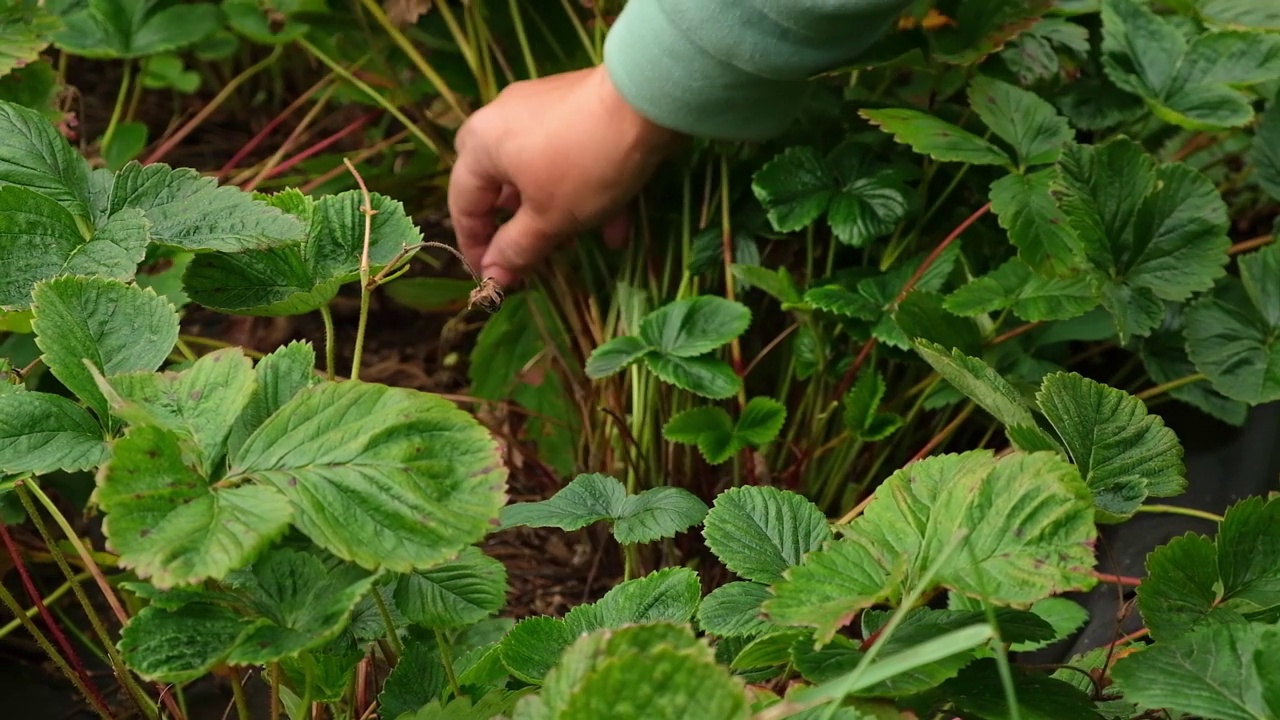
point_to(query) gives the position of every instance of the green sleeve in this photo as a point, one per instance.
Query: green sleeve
(735, 69)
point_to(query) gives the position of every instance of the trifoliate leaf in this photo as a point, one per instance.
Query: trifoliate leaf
(459, 592)
(533, 646)
(115, 29)
(1026, 210)
(733, 610)
(302, 602)
(115, 327)
(41, 240)
(614, 356)
(40, 433)
(778, 284)
(1212, 672)
(1021, 118)
(35, 156)
(651, 515)
(1034, 298)
(274, 24)
(668, 595)
(758, 532)
(1114, 442)
(1233, 335)
(416, 479)
(173, 526)
(1034, 55)
(936, 138)
(1192, 581)
(693, 327)
(1147, 232)
(25, 30)
(708, 377)
(199, 404)
(1018, 529)
(1264, 156)
(280, 375)
(300, 278)
(1190, 82)
(709, 428)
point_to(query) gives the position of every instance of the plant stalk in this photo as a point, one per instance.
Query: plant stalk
(118, 110)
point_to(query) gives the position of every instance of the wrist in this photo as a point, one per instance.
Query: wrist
(640, 134)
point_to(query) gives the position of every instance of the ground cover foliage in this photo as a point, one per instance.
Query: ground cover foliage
(847, 413)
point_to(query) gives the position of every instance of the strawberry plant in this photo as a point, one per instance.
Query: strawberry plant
(845, 429)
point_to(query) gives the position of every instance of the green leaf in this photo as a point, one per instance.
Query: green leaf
(796, 187)
(718, 438)
(173, 526)
(1018, 529)
(1190, 82)
(980, 29)
(417, 678)
(40, 433)
(1236, 14)
(1064, 616)
(1233, 335)
(1146, 231)
(979, 691)
(1264, 155)
(668, 595)
(1212, 672)
(300, 278)
(867, 208)
(1034, 298)
(25, 30)
(279, 376)
(459, 592)
(416, 479)
(1193, 582)
(34, 85)
(177, 402)
(115, 327)
(179, 645)
(114, 29)
(1114, 442)
(653, 514)
(430, 294)
(758, 532)
(1164, 354)
(922, 316)
(936, 138)
(778, 283)
(276, 23)
(693, 327)
(35, 156)
(862, 401)
(128, 142)
(733, 610)
(41, 240)
(761, 421)
(533, 646)
(1026, 210)
(708, 377)
(302, 600)
(614, 356)
(837, 300)
(1021, 118)
(496, 703)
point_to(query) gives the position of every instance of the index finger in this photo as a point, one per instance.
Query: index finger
(474, 190)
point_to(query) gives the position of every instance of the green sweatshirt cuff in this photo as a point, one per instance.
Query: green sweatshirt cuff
(734, 69)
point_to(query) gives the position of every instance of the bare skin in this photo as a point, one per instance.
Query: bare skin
(565, 154)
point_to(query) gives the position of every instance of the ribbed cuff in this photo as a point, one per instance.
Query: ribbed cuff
(671, 80)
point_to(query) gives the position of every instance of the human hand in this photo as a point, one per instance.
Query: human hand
(565, 153)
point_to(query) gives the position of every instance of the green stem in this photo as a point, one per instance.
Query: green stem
(415, 57)
(1175, 510)
(273, 671)
(372, 94)
(241, 700)
(330, 344)
(1171, 385)
(49, 599)
(116, 662)
(393, 637)
(118, 110)
(523, 38)
(16, 610)
(446, 659)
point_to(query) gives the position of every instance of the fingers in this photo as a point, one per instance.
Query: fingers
(518, 245)
(475, 187)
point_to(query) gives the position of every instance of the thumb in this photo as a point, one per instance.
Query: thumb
(518, 245)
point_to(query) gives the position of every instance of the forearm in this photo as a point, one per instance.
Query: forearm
(735, 69)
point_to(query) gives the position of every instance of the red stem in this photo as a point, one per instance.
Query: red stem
(243, 152)
(849, 374)
(72, 658)
(323, 144)
(1125, 580)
